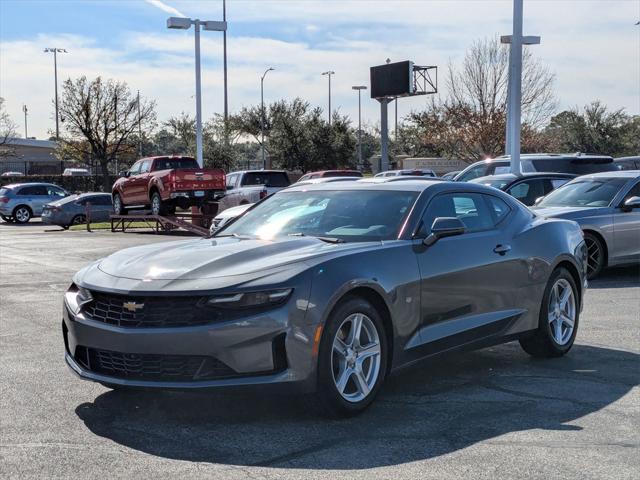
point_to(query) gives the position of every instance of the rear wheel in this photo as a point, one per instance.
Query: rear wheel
(595, 255)
(559, 315)
(118, 206)
(157, 208)
(352, 358)
(79, 220)
(22, 214)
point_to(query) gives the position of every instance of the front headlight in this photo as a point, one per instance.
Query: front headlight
(250, 299)
(76, 297)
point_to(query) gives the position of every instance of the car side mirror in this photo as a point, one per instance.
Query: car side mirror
(630, 204)
(444, 227)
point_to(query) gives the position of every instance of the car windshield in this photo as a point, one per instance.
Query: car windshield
(268, 179)
(174, 163)
(350, 216)
(584, 193)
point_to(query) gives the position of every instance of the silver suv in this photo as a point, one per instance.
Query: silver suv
(20, 202)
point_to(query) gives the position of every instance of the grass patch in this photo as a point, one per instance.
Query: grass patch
(107, 226)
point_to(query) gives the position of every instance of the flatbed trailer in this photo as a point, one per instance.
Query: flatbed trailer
(159, 223)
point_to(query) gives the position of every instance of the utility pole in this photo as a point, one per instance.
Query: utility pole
(329, 73)
(514, 89)
(55, 52)
(224, 48)
(384, 134)
(264, 161)
(139, 127)
(359, 88)
(24, 109)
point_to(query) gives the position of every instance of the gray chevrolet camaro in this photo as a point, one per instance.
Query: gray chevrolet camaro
(329, 288)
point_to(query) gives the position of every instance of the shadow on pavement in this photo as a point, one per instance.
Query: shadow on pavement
(439, 407)
(618, 277)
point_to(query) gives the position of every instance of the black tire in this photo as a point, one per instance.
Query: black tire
(157, 205)
(596, 255)
(79, 219)
(329, 398)
(543, 343)
(7, 219)
(22, 214)
(118, 205)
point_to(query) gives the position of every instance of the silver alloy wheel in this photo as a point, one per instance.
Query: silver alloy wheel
(355, 357)
(594, 256)
(22, 214)
(117, 205)
(155, 204)
(562, 311)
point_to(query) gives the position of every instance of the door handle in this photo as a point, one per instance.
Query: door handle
(502, 249)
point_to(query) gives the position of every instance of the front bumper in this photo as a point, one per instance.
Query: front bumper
(261, 350)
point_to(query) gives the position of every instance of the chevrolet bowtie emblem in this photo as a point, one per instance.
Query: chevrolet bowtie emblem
(133, 306)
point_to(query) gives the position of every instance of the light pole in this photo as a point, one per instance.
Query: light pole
(514, 90)
(180, 23)
(264, 161)
(329, 73)
(55, 52)
(24, 109)
(359, 88)
(224, 54)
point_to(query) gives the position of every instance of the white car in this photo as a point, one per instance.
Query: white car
(227, 215)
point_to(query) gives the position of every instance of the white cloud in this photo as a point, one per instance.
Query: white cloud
(165, 8)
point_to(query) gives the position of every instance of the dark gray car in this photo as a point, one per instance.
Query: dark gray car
(330, 288)
(73, 210)
(607, 207)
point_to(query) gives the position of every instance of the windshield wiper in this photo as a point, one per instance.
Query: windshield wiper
(324, 239)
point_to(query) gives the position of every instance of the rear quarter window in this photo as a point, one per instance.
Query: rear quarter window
(269, 179)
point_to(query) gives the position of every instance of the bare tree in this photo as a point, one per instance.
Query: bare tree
(100, 120)
(470, 122)
(7, 132)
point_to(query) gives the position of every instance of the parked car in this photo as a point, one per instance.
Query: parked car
(329, 288)
(413, 172)
(20, 202)
(251, 186)
(12, 174)
(72, 210)
(164, 183)
(607, 207)
(628, 163)
(330, 173)
(450, 175)
(576, 163)
(76, 172)
(527, 187)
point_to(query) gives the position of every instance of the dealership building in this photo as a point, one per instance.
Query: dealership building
(30, 157)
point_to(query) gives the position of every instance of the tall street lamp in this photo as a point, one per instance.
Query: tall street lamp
(264, 161)
(24, 109)
(329, 73)
(224, 54)
(180, 23)
(55, 52)
(359, 88)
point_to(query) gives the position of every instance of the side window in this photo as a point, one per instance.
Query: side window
(135, 169)
(231, 180)
(558, 182)
(101, 200)
(475, 172)
(528, 191)
(470, 208)
(55, 191)
(499, 207)
(145, 166)
(634, 192)
(34, 190)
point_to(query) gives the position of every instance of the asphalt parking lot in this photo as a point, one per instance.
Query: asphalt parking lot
(495, 413)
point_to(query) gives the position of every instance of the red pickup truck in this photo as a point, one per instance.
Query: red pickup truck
(164, 183)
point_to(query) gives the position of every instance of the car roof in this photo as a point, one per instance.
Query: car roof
(257, 171)
(27, 184)
(629, 174)
(410, 185)
(311, 181)
(513, 176)
(92, 194)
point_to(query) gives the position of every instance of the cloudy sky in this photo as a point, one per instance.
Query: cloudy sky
(592, 46)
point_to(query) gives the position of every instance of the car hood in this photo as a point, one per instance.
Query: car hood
(570, 213)
(216, 257)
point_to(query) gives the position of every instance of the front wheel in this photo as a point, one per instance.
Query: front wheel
(558, 321)
(352, 358)
(79, 220)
